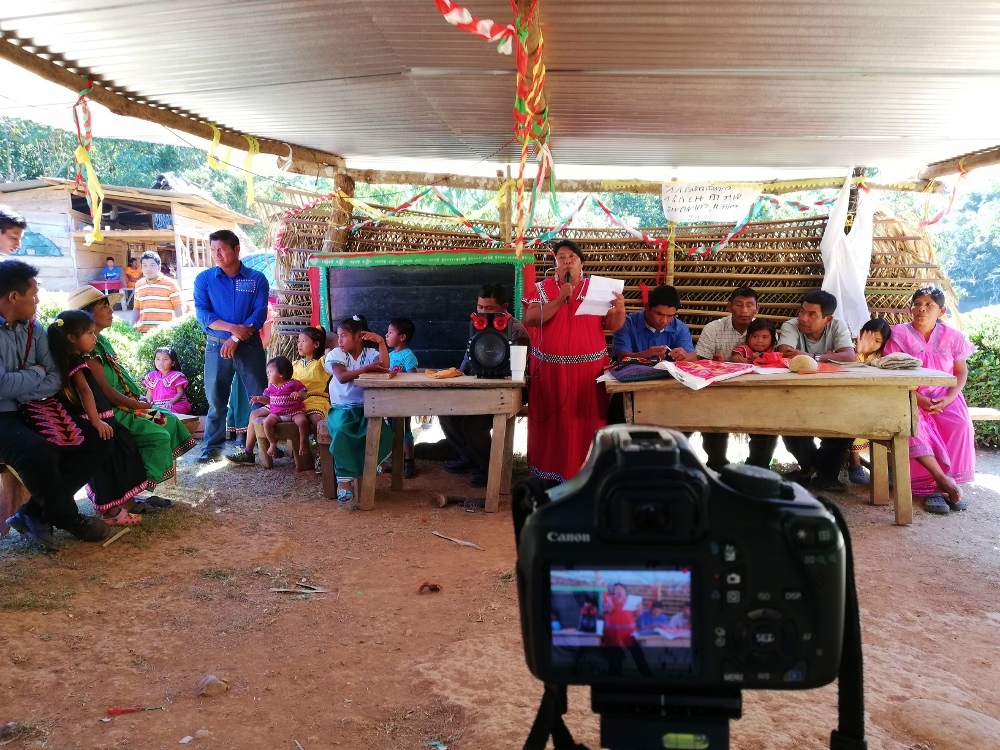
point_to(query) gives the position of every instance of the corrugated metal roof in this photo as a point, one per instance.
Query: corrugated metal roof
(778, 83)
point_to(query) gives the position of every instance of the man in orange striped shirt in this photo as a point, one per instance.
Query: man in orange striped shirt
(157, 297)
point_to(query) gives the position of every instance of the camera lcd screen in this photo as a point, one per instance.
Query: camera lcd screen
(619, 622)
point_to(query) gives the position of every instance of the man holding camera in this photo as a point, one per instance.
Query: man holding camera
(816, 334)
(470, 434)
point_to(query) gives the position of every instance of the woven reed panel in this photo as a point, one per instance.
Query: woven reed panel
(779, 259)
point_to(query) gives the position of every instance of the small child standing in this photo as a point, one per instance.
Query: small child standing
(116, 482)
(283, 399)
(402, 359)
(872, 338)
(760, 340)
(346, 420)
(165, 385)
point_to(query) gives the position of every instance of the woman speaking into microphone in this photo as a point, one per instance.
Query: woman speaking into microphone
(568, 354)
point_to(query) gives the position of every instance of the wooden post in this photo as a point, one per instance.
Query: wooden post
(671, 246)
(505, 211)
(852, 201)
(336, 239)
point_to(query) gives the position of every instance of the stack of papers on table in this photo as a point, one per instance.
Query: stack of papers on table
(697, 375)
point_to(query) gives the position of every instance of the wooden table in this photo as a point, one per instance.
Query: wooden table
(879, 405)
(413, 394)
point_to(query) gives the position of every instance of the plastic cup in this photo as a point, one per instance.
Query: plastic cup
(518, 362)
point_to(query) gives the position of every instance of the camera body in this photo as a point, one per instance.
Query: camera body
(647, 570)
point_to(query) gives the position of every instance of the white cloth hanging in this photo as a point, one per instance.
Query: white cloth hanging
(847, 258)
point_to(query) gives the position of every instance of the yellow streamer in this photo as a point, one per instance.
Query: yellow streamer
(216, 137)
(252, 150)
(94, 192)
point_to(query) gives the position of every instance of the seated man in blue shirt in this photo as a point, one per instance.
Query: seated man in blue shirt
(111, 272)
(52, 473)
(230, 301)
(655, 331)
(654, 617)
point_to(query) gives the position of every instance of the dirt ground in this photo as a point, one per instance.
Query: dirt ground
(372, 664)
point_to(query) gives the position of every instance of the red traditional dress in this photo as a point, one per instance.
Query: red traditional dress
(568, 354)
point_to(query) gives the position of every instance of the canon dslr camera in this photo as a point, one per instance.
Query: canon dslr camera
(649, 575)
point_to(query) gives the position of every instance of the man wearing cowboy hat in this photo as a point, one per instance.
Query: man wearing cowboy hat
(230, 301)
(52, 473)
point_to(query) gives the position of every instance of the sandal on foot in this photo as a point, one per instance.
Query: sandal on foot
(124, 518)
(960, 505)
(936, 504)
(345, 497)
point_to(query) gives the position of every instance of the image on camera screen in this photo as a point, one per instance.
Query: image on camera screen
(621, 622)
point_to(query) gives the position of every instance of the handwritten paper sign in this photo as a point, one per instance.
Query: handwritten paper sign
(689, 202)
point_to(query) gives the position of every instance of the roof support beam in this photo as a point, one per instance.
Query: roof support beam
(985, 158)
(304, 160)
(390, 177)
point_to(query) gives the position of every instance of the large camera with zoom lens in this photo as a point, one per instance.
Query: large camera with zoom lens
(649, 575)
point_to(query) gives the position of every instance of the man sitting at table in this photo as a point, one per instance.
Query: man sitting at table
(654, 617)
(470, 434)
(681, 620)
(111, 272)
(817, 334)
(655, 331)
(717, 341)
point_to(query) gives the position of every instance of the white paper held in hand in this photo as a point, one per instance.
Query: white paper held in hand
(600, 295)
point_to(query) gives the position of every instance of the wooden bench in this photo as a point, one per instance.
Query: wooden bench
(984, 414)
(326, 460)
(13, 494)
(286, 432)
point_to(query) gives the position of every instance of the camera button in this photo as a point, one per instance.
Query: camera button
(796, 674)
(766, 635)
(733, 596)
(794, 596)
(762, 614)
(730, 553)
(803, 534)
(731, 673)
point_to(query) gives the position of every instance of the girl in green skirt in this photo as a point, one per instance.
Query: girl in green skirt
(346, 418)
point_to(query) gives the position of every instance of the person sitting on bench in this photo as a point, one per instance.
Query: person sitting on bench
(52, 469)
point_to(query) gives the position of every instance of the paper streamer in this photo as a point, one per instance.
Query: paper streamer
(216, 137)
(484, 28)
(86, 175)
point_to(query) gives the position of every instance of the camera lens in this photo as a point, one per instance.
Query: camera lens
(650, 515)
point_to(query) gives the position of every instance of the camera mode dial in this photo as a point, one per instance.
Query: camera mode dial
(752, 480)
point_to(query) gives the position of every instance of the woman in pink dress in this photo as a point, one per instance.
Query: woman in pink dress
(942, 453)
(568, 354)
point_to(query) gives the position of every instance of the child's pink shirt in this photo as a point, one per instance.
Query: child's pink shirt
(747, 353)
(164, 386)
(281, 401)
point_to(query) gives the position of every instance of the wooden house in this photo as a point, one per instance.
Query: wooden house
(174, 223)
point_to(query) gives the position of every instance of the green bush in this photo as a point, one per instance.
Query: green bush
(185, 336)
(983, 387)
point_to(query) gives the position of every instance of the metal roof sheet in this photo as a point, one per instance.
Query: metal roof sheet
(779, 83)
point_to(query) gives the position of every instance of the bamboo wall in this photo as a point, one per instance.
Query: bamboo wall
(780, 259)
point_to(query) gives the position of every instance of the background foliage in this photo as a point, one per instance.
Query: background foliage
(185, 336)
(983, 387)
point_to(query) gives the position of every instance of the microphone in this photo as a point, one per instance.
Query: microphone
(567, 278)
